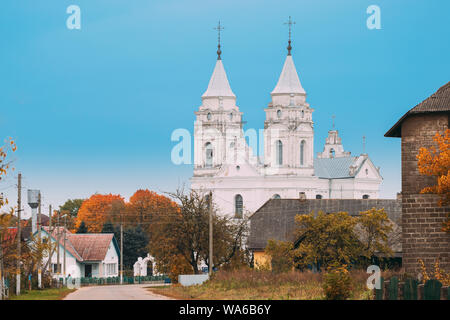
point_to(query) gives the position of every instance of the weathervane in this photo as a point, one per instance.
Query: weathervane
(219, 28)
(289, 23)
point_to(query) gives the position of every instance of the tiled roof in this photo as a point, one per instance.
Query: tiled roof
(437, 102)
(84, 246)
(334, 168)
(91, 246)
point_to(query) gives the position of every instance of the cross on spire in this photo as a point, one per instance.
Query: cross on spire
(364, 144)
(219, 28)
(333, 117)
(289, 23)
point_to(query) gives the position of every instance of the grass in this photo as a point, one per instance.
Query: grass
(247, 284)
(46, 294)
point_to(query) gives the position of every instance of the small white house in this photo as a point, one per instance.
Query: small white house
(87, 254)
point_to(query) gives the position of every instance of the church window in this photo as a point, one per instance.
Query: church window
(238, 205)
(332, 153)
(318, 196)
(209, 154)
(302, 153)
(276, 196)
(366, 196)
(303, 113)
(208, 116)
(231, 116)
(279, 152)
(238, 168)
(367, 172)
(279, 113)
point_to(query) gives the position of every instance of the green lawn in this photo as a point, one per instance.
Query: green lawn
(46, 294)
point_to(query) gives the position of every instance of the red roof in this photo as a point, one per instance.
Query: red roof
(84, 246)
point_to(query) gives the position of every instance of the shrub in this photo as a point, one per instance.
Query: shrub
(281, 255)
(337, 283)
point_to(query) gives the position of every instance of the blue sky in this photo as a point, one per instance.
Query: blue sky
(92, 110)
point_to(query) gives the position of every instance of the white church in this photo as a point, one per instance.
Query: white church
(242, 182)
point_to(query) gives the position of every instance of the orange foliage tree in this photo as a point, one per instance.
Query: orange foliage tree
(436, 162)
(146, 207)
(99, 209)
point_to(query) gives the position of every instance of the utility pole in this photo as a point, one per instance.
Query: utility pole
(40, 242)
(50, 233)
(121, 251)
(210, 269)
(19, 233)
(64, 272)
(58, 233)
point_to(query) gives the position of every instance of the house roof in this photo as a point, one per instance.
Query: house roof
(437, 102)
(85, 246)
(275, 219)
(288, 82)
(333, 168)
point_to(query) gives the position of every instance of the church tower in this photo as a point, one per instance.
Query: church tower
(218, 134)
(288, 128)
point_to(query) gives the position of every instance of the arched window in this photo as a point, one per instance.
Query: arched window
(208, 116)
(318, 196)
(207, 200)
(238, 206)
(332, 153)
(279, 152)
(209, 154)
(276, 196)
(303, 113)
(302, 153)
(279, 113)
(366, 196)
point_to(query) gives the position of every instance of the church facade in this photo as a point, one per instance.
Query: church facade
(241, 182)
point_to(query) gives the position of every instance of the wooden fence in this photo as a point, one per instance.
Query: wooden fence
(411, 289)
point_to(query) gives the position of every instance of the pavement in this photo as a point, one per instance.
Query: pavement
(116, 292)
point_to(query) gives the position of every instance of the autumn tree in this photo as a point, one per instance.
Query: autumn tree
(325, 239)
(185, 234)
(99, 209)
(435, 162)
(281, 255)
(374, 229)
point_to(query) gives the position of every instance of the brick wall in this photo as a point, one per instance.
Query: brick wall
(422, 218)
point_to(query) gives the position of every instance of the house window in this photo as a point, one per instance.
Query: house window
(209, 154)
(55, 267)
(302, 153)
(318, 196)
(239, 205)
(279, 152)
(366, 196)
(111, 269)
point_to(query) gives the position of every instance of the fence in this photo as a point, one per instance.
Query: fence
(411, 289)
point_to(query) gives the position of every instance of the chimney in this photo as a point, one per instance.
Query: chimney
(302, 196)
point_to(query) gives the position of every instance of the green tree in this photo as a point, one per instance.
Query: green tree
(72, 206)
(82, 228)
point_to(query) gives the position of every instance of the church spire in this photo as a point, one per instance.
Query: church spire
(218, 86)
(289, 83)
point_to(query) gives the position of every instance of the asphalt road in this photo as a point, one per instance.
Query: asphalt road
(116, 292)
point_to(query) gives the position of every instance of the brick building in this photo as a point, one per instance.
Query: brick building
(422, 218)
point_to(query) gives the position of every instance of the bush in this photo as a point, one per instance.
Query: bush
(337, 283)
(281, 255)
